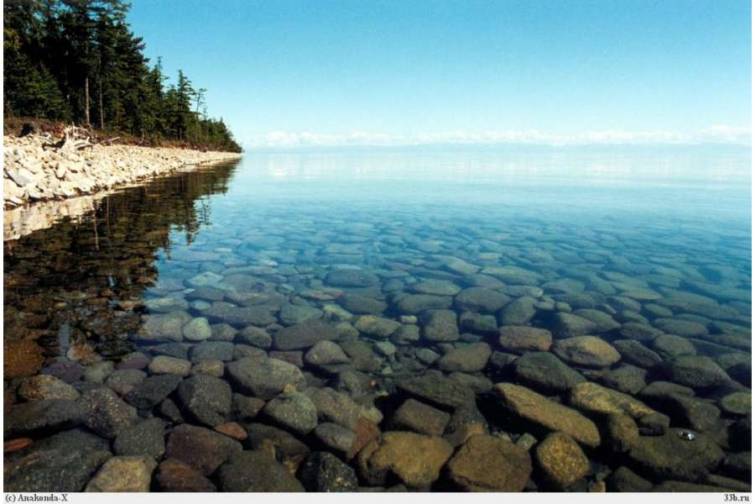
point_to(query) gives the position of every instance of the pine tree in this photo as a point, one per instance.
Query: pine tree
(78, 60)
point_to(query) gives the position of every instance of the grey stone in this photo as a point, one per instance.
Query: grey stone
(695, 371)
(201, 448)
(466, 358)
(152, 391)
(106, 413)
(546, 372)
(145, 438)
(263, 377)
(440, 325)
(670, 457)
(437, 390)
(212, 350)
(324, 472)
(207, 399)
(518, 312)
(197, 330)
(256, 471)
(481, 299)
(46, 415)
(419, 417)
(303, 335)
(295, 411)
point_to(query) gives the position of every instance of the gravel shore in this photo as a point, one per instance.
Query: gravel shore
(34, 173)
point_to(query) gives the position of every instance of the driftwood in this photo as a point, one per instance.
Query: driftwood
(74, 139)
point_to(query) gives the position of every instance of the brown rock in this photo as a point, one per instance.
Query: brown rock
(419, 417)
(13, 445)
(176, 476)
(123, 474)
(562, 460)
(414, 458)
(596, 399)
(622, 432)
(22, 358)
(521, 339)
(586, 351)
(542, 411)
(365, 432)
(489, 463)
(233, 430)
(201, 448)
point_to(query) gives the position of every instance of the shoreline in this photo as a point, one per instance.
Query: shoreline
(41, 186)
(33, 174)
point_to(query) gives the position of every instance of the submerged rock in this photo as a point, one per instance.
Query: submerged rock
(41, 387)
(545, 371)
(162, 364)
(376, 327)
(295, 411)
(695, 371)
(336, 437)
(207, 399)
(201, 448)
(562, 460)
(436, 389)
(488, 463)
(106, 413)
(123, 381)
(419, 417)
(123, 474)
(440, 325)
(303, 335)
(567, 325)
(669, 456)
(53, 470)
(466, 358)
(263, 377)
(359, 304)
(197, 330)
(518, 312)
(21, 358)
(324, 472)
(146, 438)
(548, 414)
(593, 398)
(414, 458)
(737, 403)
(415, 304)
(351, 278)
(480, 299)
(164, 327)
(520, 339)
(326, 353)
(176, 476)
(152, 391)
(588, 351)
(636, 353)
(256, 471)
(436, 287)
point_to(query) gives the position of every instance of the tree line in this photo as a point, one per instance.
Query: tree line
(78, 61)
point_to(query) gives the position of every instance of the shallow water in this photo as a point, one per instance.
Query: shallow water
(650, 249)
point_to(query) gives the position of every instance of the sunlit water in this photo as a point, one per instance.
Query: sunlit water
(656, 238)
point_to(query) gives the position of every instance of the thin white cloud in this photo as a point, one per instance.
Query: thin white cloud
(720, 133)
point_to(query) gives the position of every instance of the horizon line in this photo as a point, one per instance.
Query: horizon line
(715, 135)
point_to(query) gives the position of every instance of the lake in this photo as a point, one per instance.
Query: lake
(499, 319)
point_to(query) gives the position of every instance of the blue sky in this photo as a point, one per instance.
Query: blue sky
(291, 72)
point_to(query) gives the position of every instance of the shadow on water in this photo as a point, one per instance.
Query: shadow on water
(81, 280)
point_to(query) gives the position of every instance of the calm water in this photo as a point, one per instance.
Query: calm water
(649, 250)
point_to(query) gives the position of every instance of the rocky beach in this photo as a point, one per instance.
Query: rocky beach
(34, 170)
